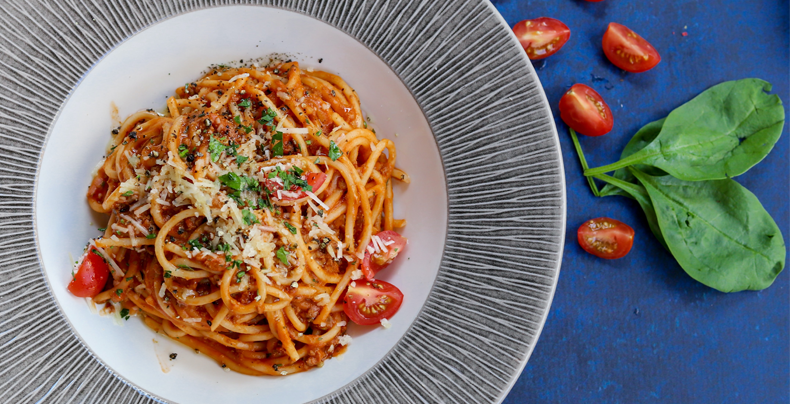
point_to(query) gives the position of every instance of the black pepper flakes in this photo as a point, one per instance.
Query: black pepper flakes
(173, 356)
(320, 60)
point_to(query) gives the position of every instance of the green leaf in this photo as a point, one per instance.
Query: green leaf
(249, 217)
(267, 116)
(237, 119)
(334, 151)
(637, 192)
(282, 255)
(183, 151)
(232, 180)
(124, 314)
(290, 227)
(718, 231)
(245, 103)
(241, 159)
(641, 138)
(719, 134)
(277, 144)
(215, 149)
(128, 193)
(150, 236)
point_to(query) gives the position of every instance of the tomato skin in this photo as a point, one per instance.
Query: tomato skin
(584, 110)
(90, 277)
(606, 238)
(373, 263)
(315, 180)
(381, 299)
(627, 50)
(541, 37)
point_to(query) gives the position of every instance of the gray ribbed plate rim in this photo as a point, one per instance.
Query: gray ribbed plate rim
(58, 368)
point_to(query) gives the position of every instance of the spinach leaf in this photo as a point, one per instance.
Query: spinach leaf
(641, 138)
(637, 192)
(719, 134)
(718, 231)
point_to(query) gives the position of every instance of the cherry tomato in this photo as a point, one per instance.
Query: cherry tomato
(606, 238)
(378, 260)
(627, 50)
(315, 180)
(584, 110)
(370, 301)
(90, 277)
(542, 37)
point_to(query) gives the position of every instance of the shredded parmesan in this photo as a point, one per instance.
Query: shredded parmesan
(344, 340)
(238, 76)
(385, 323)
(162, 290)
(317, 200)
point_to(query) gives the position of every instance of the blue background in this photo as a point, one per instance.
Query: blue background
(638, 329)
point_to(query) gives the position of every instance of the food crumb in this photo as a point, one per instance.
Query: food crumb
(173, 356)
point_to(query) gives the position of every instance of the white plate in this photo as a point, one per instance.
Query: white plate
(139, 74)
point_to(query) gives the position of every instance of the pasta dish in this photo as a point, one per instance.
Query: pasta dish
(248, 221)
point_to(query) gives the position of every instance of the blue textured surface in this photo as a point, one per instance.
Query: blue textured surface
(638, 329)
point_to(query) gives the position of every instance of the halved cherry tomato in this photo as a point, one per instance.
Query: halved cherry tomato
(315, 180)
(541, 37)
(606, 238)
(370, 301)
(378, 260)
(627, 50)
(90, 277)
(584, 110)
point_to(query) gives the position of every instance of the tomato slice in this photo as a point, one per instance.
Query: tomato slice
(315, 180)
(380, 259)
(370, 301)
(542, 37)
(584, 110)
(627, 50)
(90, 277)
(606, 238)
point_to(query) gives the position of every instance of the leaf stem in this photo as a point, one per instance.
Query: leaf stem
(616, 182)
(583, 161)
(628, 161)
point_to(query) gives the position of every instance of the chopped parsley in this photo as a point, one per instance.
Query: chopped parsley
(128, 193)
(118, 291)
(215, 148)
(318, 134)
(239, 182)
(249, 217)
(150, 236)
(246, 129)
(282, 255)
(245, 103)
(267, 116)
(102, 229)
(290, 227)
(167, 274)
(277, 144)
(241, 159)
(334, 151)
(183, 150)
(195, 244)
(125, 314)
(290, 178)
(237, 119)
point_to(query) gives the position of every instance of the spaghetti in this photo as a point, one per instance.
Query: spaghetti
(240, 217)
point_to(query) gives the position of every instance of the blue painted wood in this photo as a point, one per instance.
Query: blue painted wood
(638, 329)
